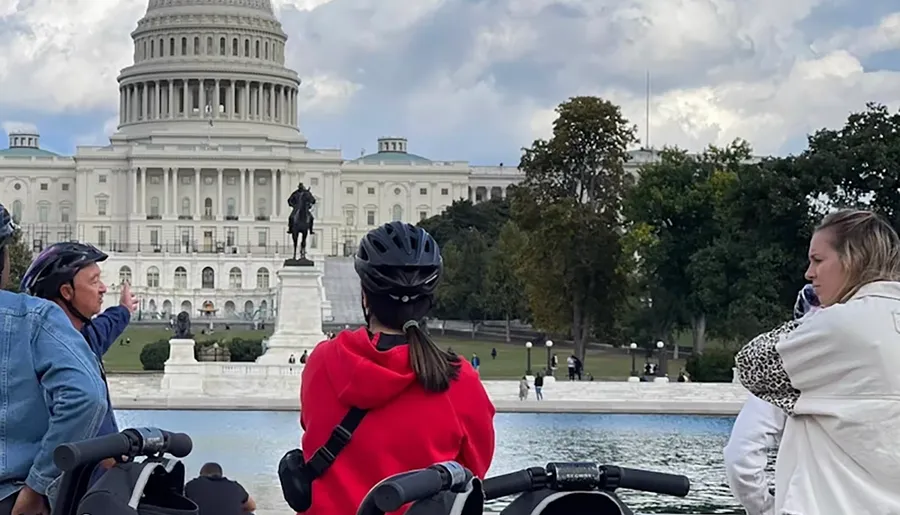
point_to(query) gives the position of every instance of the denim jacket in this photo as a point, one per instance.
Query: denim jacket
(51, 391)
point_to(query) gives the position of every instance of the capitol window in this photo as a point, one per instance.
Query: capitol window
(262, 278)
(371, 191)
(44, 186)
(43, 212)
(186, 206)
(153, 277)
(423, 191)
(124, 275)
(196, 45)
(230, 206)
(64, 214)
(101, 207)
(17, 210)
(65, 186)
(370, 217)
(235, 278)
(349, 190)
(208, 279)
(445, 191)
(397, 212)
(180, 278)
(101, 179)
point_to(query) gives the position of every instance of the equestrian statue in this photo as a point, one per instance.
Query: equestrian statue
(300, 221)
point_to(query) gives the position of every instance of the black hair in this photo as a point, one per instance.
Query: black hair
(434, 368)
(211, 469)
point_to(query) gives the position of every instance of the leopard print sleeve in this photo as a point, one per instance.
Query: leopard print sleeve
(762, 372)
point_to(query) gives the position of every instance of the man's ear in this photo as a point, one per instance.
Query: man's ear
(67, 291)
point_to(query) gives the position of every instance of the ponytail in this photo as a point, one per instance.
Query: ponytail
(433, 367)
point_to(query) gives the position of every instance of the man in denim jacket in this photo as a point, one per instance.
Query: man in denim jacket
(52, 392)
(68, 274)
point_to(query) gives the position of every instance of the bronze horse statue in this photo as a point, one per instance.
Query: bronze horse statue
(300, 221)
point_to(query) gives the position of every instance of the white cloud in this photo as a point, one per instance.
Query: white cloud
(12, 126)
(484, 77)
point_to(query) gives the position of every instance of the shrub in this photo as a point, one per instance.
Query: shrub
(154, 355)
(244, 350)
(713, 366)
(199, 346)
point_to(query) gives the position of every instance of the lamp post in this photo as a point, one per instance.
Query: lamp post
(528, 346)
(633, 350)
(549, 344)
(661, 349)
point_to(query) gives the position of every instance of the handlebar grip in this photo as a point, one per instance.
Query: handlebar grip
(507, 484)
(178, 444)
(656, 482)
(70, 455)
(392, 494)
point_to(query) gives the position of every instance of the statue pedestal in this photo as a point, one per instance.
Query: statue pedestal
(298, 326)
(183, 373)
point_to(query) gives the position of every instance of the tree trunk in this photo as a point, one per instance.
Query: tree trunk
(472, 322)
(508, 336)
(581, 329)
(698, 332)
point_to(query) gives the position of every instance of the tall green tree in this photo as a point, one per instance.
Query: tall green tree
(676, 204)
(20, 258)
(505, 290)
(857, 164)
(460, 295)
(569, 208)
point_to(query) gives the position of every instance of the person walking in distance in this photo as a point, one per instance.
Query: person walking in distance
(539, 386)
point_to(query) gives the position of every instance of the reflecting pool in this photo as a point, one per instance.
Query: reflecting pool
(248, 445)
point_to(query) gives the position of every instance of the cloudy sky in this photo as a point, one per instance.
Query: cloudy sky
(478, 79)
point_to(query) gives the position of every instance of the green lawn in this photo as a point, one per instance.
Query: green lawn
(510, 362)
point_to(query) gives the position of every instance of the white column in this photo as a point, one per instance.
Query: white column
(159, 97)
(242, 201)
(219, 200)
(121, 106)
(174, 204)
(271, 114)
(171, 105)
(202, 93)
(134, 192)
(258, 101)
(143, 198)
(232, 100)
(196, 193)
(251, 202)
(274, 209)
(165, 196)
(217, 100)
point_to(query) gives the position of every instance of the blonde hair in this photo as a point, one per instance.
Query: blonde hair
(868, 247)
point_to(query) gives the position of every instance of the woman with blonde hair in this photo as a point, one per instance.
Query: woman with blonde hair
(836, 375)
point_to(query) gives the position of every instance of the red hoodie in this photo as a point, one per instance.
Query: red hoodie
(406, 428)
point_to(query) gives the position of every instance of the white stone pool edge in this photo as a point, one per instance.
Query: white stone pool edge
(143, 392)
(662, 407)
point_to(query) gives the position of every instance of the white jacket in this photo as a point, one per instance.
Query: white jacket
(840, 452)
(757, 429)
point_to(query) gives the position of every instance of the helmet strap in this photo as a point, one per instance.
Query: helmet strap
(71, 307)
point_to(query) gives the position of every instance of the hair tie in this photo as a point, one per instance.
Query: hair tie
(410, 323)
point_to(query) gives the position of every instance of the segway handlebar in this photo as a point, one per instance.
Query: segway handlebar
(579, 476)
(130, 443)
(393, 493)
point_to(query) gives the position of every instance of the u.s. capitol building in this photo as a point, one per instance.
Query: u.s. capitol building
(189, 197)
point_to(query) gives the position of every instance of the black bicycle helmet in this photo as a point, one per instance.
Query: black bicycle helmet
(57, 265)
(399, 260)
(7, 227)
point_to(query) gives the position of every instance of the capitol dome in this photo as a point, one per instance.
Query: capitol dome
(208, 65)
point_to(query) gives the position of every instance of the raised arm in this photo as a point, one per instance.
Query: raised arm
(70, 374)
(108, 326)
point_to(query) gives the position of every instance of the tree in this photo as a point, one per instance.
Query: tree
(857, 164)
(485, 217)
(505, 295)
(20, 258)
(569, 208)
(676, 203)
(459, 295)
